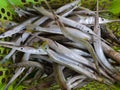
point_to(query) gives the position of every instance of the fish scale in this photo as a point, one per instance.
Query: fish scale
(7, 12)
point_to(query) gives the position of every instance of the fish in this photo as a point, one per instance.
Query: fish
(25, 49)
(98, 46)
(66, 21)
(58, 11)
(18, 28)
(90, 20)
(78, 68)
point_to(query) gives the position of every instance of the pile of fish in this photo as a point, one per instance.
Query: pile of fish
(66, 43)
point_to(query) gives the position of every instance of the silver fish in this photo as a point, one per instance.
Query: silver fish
(78, 68)
(25, 49)
(68, 6)
(66, 21)
(17, 28)
(98, 46)
(17, 42)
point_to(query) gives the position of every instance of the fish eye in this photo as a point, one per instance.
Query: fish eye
(21, 48)
(18, 9)
(102, 19)
(10, 23)
(39, 50)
